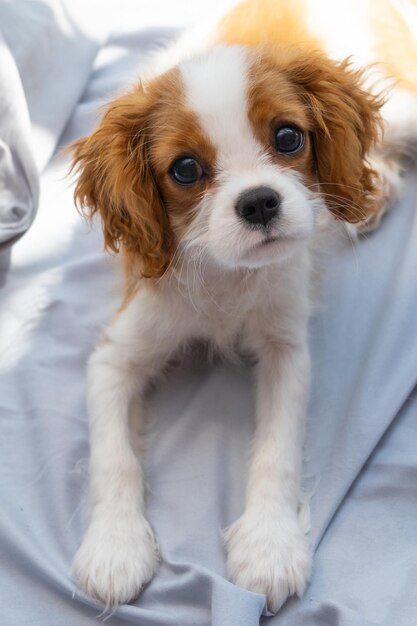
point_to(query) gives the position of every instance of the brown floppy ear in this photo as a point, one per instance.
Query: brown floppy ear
(115, 180)
(347, 124)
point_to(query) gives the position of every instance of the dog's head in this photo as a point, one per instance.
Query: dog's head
(232, 152)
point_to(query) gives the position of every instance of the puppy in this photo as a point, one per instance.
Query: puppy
(209, 178)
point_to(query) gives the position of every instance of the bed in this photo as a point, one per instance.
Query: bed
(57, 290)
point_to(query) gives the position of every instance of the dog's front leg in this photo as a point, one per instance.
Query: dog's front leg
(119, 553)
(267, 549)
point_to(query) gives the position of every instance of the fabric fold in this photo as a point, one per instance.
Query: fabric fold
(47, 51)
(19, 182)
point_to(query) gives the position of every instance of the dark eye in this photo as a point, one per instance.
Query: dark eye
(289, 139)
(186, 171)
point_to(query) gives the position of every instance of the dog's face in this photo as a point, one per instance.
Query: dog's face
(235, 166)
(230, 154)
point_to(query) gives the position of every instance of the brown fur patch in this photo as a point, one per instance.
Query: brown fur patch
(116, 181)
(124, 175)
(343, 118)
(274, 101)
(176, 132)
(254, 22)
(285, 22)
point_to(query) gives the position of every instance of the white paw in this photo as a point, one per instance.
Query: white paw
(116, 559)
(268, 554)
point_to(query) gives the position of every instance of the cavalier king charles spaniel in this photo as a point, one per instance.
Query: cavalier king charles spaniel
(210, 177)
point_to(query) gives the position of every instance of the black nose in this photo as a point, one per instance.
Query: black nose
(258, 205)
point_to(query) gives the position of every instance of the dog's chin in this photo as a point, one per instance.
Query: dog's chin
(271, 250)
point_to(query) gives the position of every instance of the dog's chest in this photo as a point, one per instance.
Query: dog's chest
(232, 308)
(218, 309)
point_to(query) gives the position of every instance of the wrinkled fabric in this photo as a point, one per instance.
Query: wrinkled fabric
(47, 49)
(360, 453)
(19, 184)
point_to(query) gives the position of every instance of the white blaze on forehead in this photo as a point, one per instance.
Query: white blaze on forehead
(216, 89)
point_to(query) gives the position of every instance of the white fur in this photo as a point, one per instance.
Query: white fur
(136, 346)
(216, 87)
(239, 294)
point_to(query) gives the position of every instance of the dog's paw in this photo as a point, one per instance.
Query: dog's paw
(115, 560)
(269, 555)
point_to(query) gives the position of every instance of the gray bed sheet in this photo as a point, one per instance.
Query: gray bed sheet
(361, 449)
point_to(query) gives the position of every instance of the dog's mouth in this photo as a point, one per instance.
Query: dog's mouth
(272, 248)
(268, 240)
